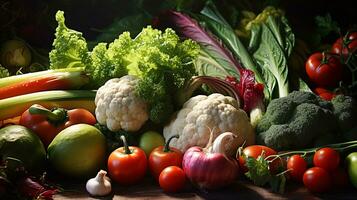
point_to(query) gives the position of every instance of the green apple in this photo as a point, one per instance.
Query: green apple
(150, 140)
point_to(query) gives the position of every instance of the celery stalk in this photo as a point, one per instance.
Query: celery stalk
(18, 78)
(69, 99)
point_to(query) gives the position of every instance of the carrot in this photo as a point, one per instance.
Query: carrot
(51, 81)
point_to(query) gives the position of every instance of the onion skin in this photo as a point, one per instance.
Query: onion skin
(209, 170)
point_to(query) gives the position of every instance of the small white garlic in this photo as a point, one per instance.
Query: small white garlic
(99, 185)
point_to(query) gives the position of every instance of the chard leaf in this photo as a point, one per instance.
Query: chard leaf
(271, 52)
(213, 54)
(220, 27)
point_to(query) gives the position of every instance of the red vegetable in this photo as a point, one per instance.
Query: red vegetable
(297, 166)
(127, 165)
(172, 179)
(325, 94)
(317, 179)
(327, 158)
(50, 81)
(255, 151)
(34, 190)
(47, 124)
(345, 45)
(324, 70)
(210, 167)
(164, 156)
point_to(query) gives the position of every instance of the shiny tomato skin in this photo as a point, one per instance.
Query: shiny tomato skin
(327, 74)
(127, 169)
(317, 179)
(297, 166)
(350, 45)
(172, 179)
(255, 151)
(325, 94)
(327, 158)
(159, 160)
(80, 116)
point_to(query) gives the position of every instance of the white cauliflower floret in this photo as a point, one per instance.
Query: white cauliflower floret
(118, 107)
(202, 114)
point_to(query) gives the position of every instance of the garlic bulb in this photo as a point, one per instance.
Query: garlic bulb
(99, 185)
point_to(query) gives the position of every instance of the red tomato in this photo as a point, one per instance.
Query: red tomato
(48, 123)
(327, 158)
(345, 45)
(172, 179)
(160, 158)
(297, 166)
(317, 179)
(255, 151)
(127, 165)
(324, 70)
(325, 94)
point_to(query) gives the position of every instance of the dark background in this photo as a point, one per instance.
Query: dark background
(33, 20)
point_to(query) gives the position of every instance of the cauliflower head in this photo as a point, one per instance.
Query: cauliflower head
(202, 114)
(118, 107)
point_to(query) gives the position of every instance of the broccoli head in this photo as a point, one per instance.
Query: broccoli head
(296, 121)
(345, 110)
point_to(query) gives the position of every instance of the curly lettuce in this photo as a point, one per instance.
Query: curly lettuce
(164, 63)
(160, 59)
(69, 47)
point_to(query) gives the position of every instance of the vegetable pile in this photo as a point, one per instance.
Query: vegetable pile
(193, 99)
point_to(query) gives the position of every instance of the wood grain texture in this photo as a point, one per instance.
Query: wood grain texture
(148, 189)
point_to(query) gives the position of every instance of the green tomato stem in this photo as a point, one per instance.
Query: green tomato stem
(56, 116)
(126, 147)
(167, 144)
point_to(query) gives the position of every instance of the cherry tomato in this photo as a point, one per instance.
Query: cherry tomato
(327, 158)
(317, 179)
(164, 156)
(48, 123)
(297, 166)
(345, 45)
(172, 179)
(255, 151)
(324, 70)
(127, 165)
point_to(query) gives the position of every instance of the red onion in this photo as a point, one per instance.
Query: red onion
(211, 167)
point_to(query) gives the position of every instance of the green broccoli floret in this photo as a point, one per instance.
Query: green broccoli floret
(345, 110)
(296, 121)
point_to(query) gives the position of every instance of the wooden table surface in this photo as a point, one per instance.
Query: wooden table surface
(148, 189)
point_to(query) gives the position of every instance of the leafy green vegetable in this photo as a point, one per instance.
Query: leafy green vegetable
(259, 173)
(220, 27)
(258, 170)
(160, 59)
(164, 64)
(273, 42)
(4, 72)
(70, 47)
